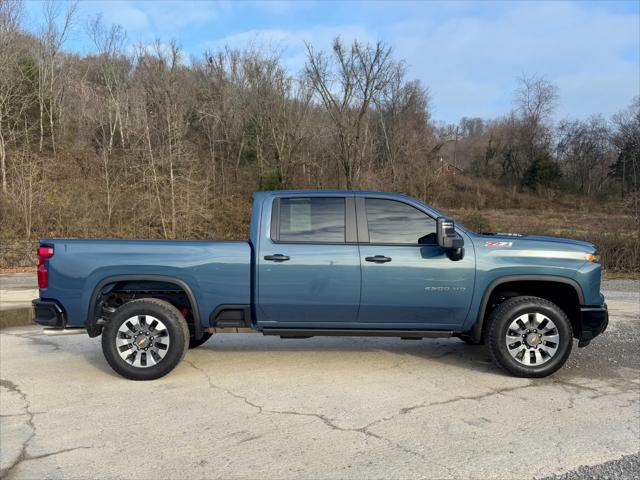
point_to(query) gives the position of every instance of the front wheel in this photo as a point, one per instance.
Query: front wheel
(145, 339)
(529, 336)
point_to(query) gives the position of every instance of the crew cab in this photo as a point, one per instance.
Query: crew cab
(322, 263)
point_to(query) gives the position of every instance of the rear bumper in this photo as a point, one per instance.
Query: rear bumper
(594, 321)
(48, 314)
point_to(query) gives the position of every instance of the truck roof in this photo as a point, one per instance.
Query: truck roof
(329, 192)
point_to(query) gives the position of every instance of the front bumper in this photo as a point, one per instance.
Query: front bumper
(48, 314)
(594, 322)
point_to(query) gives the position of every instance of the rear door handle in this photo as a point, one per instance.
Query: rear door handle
(276, 258)
(378, 259)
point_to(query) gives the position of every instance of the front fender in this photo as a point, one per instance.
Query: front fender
(475, 321)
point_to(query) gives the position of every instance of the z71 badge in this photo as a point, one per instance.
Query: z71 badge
(499, 244)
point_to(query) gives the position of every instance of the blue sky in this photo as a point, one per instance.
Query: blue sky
(469, 54)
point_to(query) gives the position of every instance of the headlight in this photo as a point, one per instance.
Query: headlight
(593, 257)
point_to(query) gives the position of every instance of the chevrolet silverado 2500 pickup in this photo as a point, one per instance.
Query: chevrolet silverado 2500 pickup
(327, 263)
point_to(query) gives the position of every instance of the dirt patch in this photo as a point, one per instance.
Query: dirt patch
(18, 269)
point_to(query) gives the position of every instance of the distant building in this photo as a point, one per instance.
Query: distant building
(449, 168)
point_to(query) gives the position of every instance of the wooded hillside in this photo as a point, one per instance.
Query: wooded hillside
(146, 143)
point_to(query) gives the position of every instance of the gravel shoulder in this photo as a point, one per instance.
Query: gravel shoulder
(626, 468)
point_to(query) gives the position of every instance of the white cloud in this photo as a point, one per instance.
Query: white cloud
(471, 62)
(176, 16)
(145, 20)
(126, 14)
(283, 7)
(600, 92)
(290, 44)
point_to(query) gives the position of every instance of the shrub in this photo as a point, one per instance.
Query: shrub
(476, 222)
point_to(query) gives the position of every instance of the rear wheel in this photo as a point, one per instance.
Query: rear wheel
(529, 336)
(145, 339)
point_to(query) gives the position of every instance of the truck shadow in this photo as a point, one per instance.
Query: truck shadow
(318, 356)
(606, 358)
(318, 351)
(233, 351)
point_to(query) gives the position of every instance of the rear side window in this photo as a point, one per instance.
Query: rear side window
(396, 222)
(314, 220)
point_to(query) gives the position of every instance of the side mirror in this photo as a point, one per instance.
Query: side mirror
(449, 239)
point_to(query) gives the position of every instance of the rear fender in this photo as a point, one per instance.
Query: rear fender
(94, 328)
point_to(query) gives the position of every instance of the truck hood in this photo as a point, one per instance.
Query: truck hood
(555, 241)
(566, 241)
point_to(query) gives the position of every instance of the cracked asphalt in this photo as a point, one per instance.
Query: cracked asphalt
(248, 406)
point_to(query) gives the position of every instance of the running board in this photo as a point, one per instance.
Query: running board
(230, 330)
(331, 332)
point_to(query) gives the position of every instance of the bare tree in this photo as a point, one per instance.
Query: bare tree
(346, 83)
(626, 139)
(586, 152)
(276, 107)
(114, 71)
(286, 120)
(221, 112)
(406, 137)
(10, 11)
(536, 99)
(165, 119)
(54, 32)
(523, 139)
(26, 189)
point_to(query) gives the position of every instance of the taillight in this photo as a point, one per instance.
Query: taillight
(43, 274)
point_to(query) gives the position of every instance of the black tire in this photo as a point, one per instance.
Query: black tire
(177, 331)
(497, 330)
(469, 341)
(193, 343)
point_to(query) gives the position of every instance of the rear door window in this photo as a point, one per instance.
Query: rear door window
(312, 219)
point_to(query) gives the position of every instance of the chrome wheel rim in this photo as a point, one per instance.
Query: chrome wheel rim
(532, 339)
(142, 341)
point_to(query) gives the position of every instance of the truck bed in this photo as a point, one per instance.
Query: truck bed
(217, 272)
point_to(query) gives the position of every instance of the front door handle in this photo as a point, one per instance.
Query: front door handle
(378, 259)
(276, 258)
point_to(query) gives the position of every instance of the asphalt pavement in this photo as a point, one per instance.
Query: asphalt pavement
(248, 406)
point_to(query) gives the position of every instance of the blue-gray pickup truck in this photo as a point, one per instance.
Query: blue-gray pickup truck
(327, 263)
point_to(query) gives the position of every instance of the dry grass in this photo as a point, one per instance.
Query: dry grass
(476, 203)
(615, 235)
(490, 207)
(16, 255)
